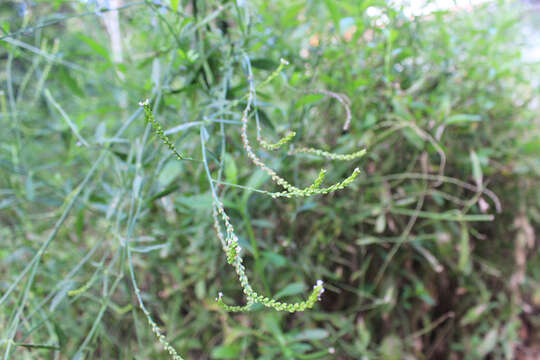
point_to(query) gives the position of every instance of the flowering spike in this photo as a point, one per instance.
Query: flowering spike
(287, 138)
(158, 129)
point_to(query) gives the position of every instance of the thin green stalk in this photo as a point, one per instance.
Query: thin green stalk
(34, 262)
(254, 246)
(108, 292)
(13, 109)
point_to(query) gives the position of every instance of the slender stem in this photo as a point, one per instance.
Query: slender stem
(259, 268)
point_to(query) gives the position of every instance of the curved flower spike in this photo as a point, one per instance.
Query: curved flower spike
(255, 298)
(343, 99)
(268, 146)
(315, 190)
(158, 129)
(329, 155)
(232, 249)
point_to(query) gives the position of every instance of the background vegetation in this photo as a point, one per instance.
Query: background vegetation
(429, 253)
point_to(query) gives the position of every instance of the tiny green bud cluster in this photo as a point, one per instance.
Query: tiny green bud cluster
(158, 129)
(329, 155)
(268, 146)
(161, 338)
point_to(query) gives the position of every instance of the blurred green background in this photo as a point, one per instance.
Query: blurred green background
(430, 254)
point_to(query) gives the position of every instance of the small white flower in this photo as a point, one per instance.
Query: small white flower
(319, 284)
(331, 350)
(283, 61)
(145, 102)
(220, 295)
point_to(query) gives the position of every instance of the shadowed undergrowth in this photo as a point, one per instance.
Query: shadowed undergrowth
(285, 143)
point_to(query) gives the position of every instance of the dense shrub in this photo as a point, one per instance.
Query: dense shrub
(426, 251)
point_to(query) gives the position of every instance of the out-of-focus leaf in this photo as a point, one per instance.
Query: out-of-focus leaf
(275, 259)
(66, 78)
(231, 171)
(231, 351)
(148, 248)
(197, 202)
(473, 315)
(380, 223)
(312, 334)
(170, 189)
(391, 348)
(488, 343)
(289, 18)
(169, 172)
(464, 263)
(60, 334)
(94, 45)
(291, 289)
(334, 11)
(476, 169)
(462, 119)
(60, 295)
(307, 99)
(38, 346)
(174, 5)
(413, 138)
(264, 64)
(258, 178)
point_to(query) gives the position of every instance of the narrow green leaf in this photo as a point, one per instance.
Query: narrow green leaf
(312, 334)
(60, 334)
(308, 99)
(38, 346)
(488, 343)
(231, 171)
(289, 18)
(274, 259)
(332, 7)
(464, 263)
(476, 169)
(463, 118)
(291, 289)
(473, 314)
(264, 64)
(97, 47)
(226, 352)
(380, 223)
(171, 188)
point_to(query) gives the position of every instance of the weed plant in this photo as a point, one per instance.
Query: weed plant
(307, 180)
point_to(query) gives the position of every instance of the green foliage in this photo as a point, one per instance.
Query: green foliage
(421, 132)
